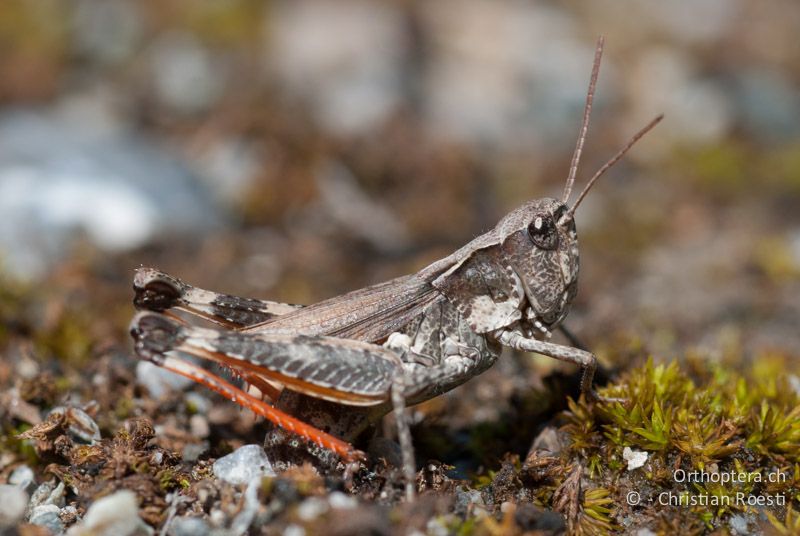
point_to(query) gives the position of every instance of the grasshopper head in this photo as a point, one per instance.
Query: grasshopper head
(543, 254)
(524, 271)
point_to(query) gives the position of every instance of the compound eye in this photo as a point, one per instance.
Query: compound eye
(542, 231)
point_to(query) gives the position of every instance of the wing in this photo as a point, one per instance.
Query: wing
(370, 314)
(158, 291)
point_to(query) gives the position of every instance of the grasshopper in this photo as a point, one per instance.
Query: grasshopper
(385, 346)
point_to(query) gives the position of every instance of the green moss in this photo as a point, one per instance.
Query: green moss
(781, 167)
(698, 415)
(719, 168)
(774, 431)
(231, 23)
(790, 524)
(169, 479)
(124, 408)
(595, 517)
(69, 339)
(22, 448)
(773, 256)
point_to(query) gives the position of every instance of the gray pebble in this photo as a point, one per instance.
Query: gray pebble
(159, 381)
(243, 465)
(46, 515)
(14, 501)
(192, 451)
(47, 493)
(188, 526)
(81, 427)
(114, 515)
(23, 478)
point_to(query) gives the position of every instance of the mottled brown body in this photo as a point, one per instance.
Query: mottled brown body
(341, 364)
(439, 327)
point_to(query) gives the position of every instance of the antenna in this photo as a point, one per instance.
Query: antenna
(587, 112)
(636, 137)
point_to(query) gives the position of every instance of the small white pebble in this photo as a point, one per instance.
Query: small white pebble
(294, 530)
(198, 425)
(739, 525)
(22, 477)
(14, 501)
(342, 501)
(794, 381)
(243, 465)
(117, 514)
(198, 402)
(217, 517)
(159, 381)
(312, 508)
(635, 458)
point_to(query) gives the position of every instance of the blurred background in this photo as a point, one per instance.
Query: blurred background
(294, 150)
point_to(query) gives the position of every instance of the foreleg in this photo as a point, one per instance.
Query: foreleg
(586, 360)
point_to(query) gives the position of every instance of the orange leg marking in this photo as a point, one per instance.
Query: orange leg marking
(272, 414)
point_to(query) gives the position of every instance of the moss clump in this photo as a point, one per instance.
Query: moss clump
(714, 420)
(790, 524)
(596, 511)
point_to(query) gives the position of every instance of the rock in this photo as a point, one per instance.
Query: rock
(312, 508)
(186, 78)
(794, 381)
(107, 31)
(47, 493)
(739, 525)
(114, 515)
(244, 519)
(342, 57)
(342, 501)
(14, 501)
(531, 518)
(198, 425)
(159, 381)
(635, 458)
(80, 426)
(505, 74)
(468, 501)
(768, 105)
(547, 441)
(53, 165)
(294, 530)
(196, 402)
(188, 526)
(47, 515)
(23, 478)
(192, 451)
(243, 465)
